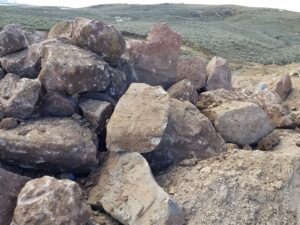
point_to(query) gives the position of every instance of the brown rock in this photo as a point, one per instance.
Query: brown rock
(12, 39)
(63, 29)
(269, 142)
(219, 75)
(50, 144)
(283, 87)
(183, 90)
(8, 123)
(117, 191)
(193, 69)
(67, 68)
(10, 186)
(47, 201)
(155, 60)
(18, 97)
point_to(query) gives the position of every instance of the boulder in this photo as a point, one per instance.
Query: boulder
(219, 75)
(47, 200)
(184, 90)
(242, 123)
(189, 134)
(63, 29)
(12, 39)
(25, 63)
(139, 119)
(155, 60)
(50, 144)
(117, 191)
(283, 87)
(239, 187)
(58, 105)
(67, 68)
(18, 97)
(10, 186)
(98, 37)
(118, 84)
(35, 36)
(96, 113)
(193, 69)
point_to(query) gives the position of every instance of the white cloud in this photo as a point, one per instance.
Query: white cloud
(293, 5)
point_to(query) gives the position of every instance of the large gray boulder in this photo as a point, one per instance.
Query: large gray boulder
(12, 39)
(242, 123)
(67, 68)
(47, 201)
(50, 144)
(18, 97)
(10, 186)
(127, 191)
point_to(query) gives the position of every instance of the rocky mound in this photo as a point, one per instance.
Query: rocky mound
(86, 120)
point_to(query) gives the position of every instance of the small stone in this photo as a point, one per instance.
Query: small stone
(8, 123)
(269, 142)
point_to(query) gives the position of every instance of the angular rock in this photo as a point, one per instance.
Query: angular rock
(96, 112)
(58, 105)
(10, 186)
(219, 75)
(12, 39)
(35, 36)
(139, 119)
(268, 142)
(63, 29)
(283, 87)
(117, 191)
(242, 123)
(50, 201)
(98, 37)
(69, 69)
(118, 83)
(50, 144)
(18, 97)
(155, 60)
(8, 123)
(183, 90)
(193, 69)
(189, 134)
(25, 63)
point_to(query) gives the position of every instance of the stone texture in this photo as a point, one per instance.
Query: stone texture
(8, 123)
(1, 74)
(47, 201)
(98, 37)
(239, 187)
(98, 96)
(18, 97)
(118, 83)
(219, 75)
(283, 87)
(189, 134)
(96, 113)
(139, 119)
(35, 36)
(241, 123)
(58, 105)
(50, 144)
(155, 60)
(193, 69)
(117, 191)
(12, 39)
(69, 69)
(184, 90)
(268, 142)
(10, 186)
(62, 29)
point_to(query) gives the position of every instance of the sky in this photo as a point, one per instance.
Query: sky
(293, 5)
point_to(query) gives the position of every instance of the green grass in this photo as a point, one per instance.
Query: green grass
(239, 34)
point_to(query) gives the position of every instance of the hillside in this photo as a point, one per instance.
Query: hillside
(240, 34)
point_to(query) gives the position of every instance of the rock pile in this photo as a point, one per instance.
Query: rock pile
(85, 120)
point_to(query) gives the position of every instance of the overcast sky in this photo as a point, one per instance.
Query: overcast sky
(293, 5)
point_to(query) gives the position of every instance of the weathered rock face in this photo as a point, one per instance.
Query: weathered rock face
(35, 36)
(1, 74)
(219, 75)
(10, 186)
(69, 69)
(58, 105)
(117, 191)
(184, 90)
(25, 63)
(283, 87)
(155, 60)
(189, 134)
(118, 83)
(241, 123)
(12, 39)
(62, 29)
(18, 97)
(193, 69)
(50, 201)
(240, 187)
(50, 144)
(269, 142)
(139, 120)
(96, 112)
(98, 37)
(8, 123)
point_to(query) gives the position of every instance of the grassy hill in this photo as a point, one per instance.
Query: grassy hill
(240, 34)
